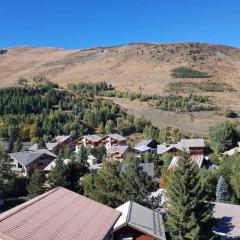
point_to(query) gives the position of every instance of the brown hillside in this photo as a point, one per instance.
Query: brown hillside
(132, 67)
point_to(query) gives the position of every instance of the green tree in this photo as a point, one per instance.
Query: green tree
(222, 192)
(19, 145)
(57, 176)
(106, 185)
(36, 184)
(41, 144)
(109, 126)
(223, 136)
(235, 182)
(189, 216)
(7, 177)
(82, 156)
(137, 185)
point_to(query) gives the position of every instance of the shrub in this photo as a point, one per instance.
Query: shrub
(186, 72)
(205, 86)
(229, 113)
(191, 103)
(2, 51)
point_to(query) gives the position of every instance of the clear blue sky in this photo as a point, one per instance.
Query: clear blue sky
(76, 24)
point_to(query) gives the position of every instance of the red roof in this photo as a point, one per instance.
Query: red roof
(58, 214)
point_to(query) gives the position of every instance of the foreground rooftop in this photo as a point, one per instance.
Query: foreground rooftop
(58, 214)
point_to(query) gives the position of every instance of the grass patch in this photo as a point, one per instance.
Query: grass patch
(191, 103)
(186, 72)
(206, 86)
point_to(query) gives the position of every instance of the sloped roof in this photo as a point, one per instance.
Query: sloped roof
(193, 142)
(228, 219)
(182, 145)
(142, 148)
(61, 138)
(28, 157)
(141, 218)
(117, 149)
(58, 214)
(144, 142)
(92, 138)
(197, 159)
(163, 148)
(146, 167)
(52, 164)
(116, 137)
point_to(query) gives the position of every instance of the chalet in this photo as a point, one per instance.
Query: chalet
(169, 148)
(191, 146)
(117, 152)
(92, 141)
(59, 214)
(114, 140)
(22, 162)
(138, 222)
(148, 145)
(57, 143)
(148, 168)
(199, 160)
(227, 221)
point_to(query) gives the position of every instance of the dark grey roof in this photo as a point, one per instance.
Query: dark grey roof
(147, 168)
(141, 218)
(227, 219)
(28, 157)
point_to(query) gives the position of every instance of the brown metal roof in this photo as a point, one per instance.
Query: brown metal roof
(58, 214)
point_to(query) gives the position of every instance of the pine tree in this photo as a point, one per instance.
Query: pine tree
(36, 185)
(7, 177)
(19, 145)
(57, 176)
(82, 156)
(137, 184)
(106, 185)
(222, 192)
(189, 215)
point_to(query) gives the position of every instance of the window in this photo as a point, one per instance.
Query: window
(19, 165)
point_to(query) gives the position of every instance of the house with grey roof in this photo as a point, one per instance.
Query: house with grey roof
(146, 145)
(22, 162)
(114, 140)
(227, 220)
(138, 222)
(197, 159)
(191, 146)
(117, 152)
(148, 168)
(59, 214)
(92, 141)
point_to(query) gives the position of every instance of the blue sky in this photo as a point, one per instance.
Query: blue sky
(77, 24)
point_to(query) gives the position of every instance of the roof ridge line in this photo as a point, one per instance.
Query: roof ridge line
(27, 204)
(129, 210)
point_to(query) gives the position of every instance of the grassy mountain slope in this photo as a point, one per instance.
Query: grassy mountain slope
(134, 67)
